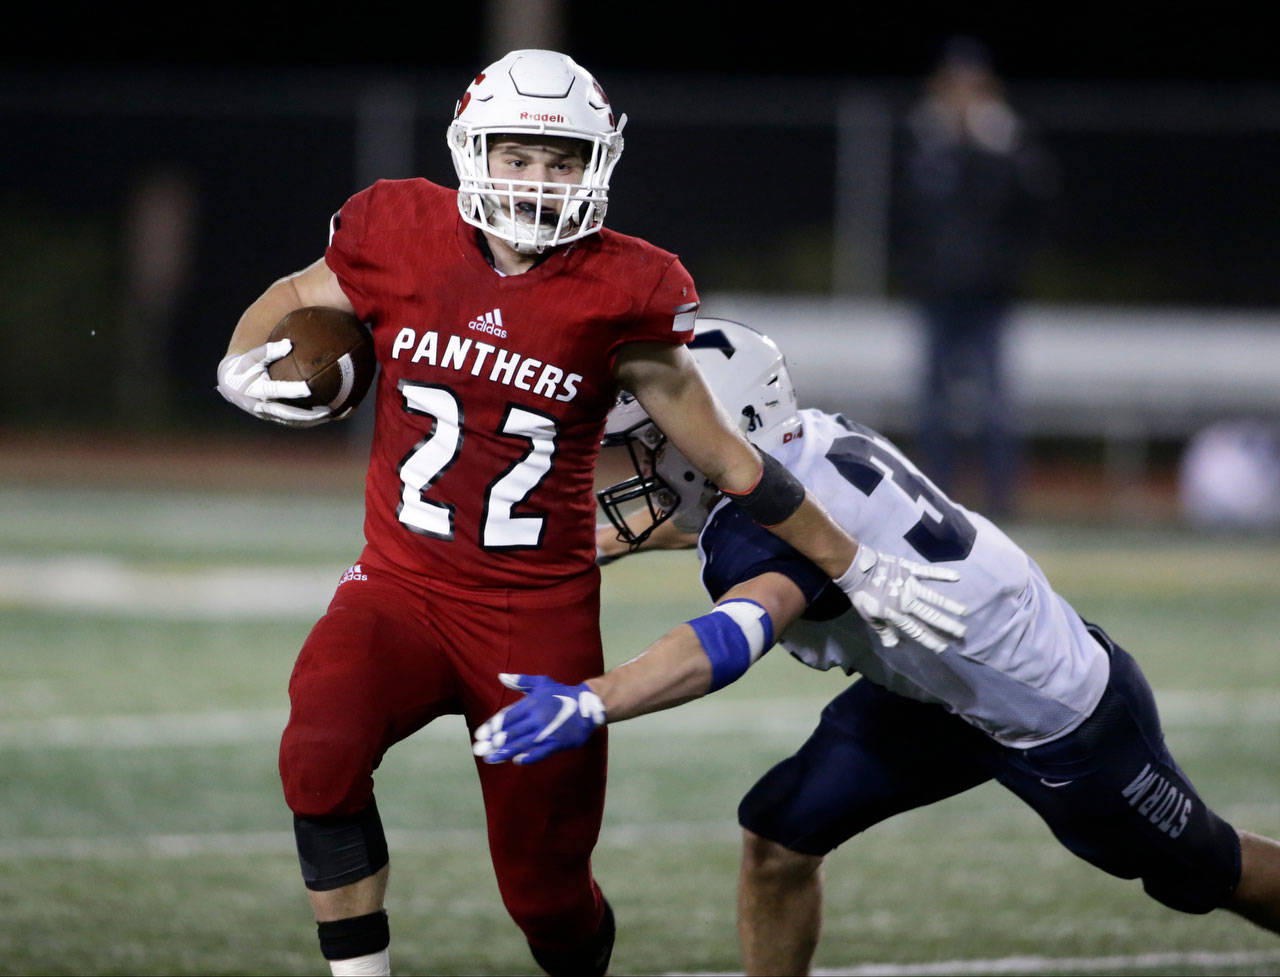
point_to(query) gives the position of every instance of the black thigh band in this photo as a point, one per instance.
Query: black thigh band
(775, 498)
(337, 851)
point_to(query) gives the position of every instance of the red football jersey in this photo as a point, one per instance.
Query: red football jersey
(493, 390)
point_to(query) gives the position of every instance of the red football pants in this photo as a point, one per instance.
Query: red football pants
(394, 652)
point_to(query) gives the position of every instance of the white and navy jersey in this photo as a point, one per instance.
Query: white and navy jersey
(1027, 670)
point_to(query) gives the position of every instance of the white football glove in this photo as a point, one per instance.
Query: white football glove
(886, 590)
(243, 380)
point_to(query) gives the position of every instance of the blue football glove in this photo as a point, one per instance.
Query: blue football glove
(550, 718)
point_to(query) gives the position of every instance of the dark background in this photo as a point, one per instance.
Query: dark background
(1106, 41)
(1167, 130)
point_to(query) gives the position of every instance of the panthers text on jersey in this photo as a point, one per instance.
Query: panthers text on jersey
(1027, 670)
(492, 390)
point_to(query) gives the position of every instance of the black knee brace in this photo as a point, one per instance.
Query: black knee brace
(589, 960)
(337, 851)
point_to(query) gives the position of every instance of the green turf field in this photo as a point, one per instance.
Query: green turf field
(147, 639)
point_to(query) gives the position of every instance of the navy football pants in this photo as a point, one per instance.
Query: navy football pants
(1109, 790)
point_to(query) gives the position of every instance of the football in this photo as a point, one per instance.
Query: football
(332, 351)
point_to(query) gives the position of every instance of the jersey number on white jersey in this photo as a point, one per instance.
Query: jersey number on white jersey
(944, 533)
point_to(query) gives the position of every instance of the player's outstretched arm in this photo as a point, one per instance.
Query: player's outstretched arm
(691, 660)
(665, 537)
(887, 592)
(243, 379)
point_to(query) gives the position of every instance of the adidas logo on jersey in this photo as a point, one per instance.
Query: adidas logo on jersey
(490, 322)
(355, 572)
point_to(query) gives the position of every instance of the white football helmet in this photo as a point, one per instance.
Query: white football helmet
(748, 374)
(534, 92)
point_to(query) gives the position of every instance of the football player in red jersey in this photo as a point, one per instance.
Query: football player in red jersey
(505, 320)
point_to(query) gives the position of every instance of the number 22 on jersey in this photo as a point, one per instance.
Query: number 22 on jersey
(431, 457)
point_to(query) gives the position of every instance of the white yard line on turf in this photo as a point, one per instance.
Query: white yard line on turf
(178, 846)
(106, 585)
(786, 716)
(142, 731)
(1211, 961)
(232, 843)
(637, 836)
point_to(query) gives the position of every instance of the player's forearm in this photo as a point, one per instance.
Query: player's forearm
(665, 537)
(667, 383)
(314, 285)
(257, 321)
(812, 531)
(673, 670)
(809, 528)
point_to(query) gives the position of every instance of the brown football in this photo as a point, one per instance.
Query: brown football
(332, 351)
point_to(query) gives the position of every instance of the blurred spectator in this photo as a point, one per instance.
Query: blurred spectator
(977, 186)
(1230, 477)
(161, 215)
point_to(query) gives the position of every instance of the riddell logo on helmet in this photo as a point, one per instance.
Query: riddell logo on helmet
(541, 117)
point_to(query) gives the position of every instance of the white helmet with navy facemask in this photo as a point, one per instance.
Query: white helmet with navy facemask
(748, 375)
(534, 93)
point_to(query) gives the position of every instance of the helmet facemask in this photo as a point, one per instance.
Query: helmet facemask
(665, 485)
(748, 375)
(553, 213)
(643, 493)
(539, 94)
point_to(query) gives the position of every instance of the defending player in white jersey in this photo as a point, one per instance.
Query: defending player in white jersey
(1031, 696)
